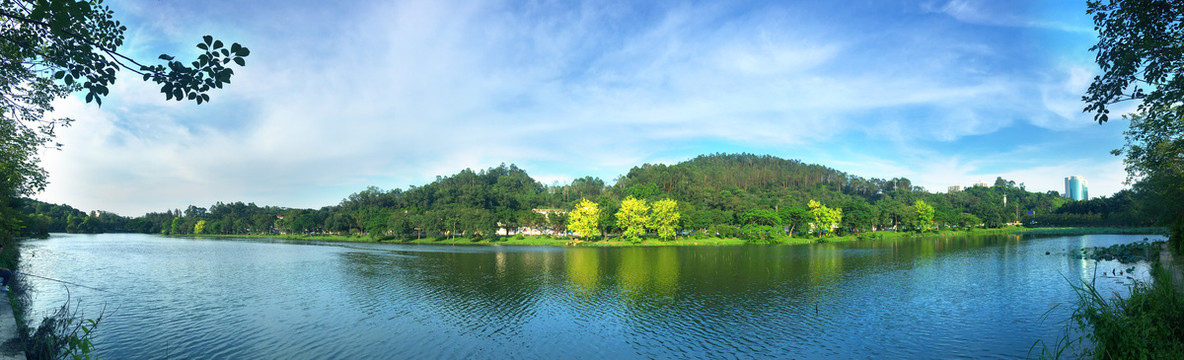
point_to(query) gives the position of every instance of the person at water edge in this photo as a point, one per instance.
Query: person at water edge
(5, 275)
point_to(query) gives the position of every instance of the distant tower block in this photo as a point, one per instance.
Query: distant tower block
(1076, 188)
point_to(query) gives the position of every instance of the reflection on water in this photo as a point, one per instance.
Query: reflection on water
(979, 297)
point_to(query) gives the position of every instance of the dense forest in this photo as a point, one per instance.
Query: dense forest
(716, 194)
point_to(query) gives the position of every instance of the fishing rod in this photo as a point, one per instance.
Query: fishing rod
(61, 281)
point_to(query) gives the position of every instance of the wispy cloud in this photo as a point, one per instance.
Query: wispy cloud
(395, 93)
(1002, 13)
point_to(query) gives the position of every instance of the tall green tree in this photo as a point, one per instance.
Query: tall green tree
(968, 221)
(858, 216)
(762, 217)
(584, 218)
(824, 218)
(924, 216)
(557, 221)
(200, 227)
(795, 217)
(633, 217)
(1154, 159)
(1140, 50)
(664, 217)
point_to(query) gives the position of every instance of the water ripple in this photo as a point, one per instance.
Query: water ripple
(179, 298)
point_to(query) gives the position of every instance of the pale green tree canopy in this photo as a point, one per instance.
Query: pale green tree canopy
(664, 217)
(924, 216)
(633, 217)
(825, 218)
(584, 219)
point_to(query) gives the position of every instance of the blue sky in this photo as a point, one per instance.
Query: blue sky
(338, 96)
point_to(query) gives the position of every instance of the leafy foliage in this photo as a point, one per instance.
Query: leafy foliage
(585, 218)
(65, 334)
(924, 216)
(824, 218)
(52, 48)
(664, 218)
(505, 199)
(633, 217)
(1140, 50)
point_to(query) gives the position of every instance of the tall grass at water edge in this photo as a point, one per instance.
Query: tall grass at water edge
(1147, 324)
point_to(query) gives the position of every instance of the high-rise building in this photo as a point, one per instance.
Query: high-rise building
(1076, 188)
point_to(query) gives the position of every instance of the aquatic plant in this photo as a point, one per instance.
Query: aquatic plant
(65, 334)
(1125, 253)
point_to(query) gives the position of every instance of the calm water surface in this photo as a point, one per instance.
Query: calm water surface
(980, 297)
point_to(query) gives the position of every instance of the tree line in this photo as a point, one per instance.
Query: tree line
(719, 194)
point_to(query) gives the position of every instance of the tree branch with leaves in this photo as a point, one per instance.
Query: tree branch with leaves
(52, 48)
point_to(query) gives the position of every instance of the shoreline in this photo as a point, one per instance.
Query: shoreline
(563, 241)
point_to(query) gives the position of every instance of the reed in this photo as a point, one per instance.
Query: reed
(1147, 324)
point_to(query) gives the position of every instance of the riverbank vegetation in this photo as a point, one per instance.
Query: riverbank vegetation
(698, 239)
(720, 195)
(1147, 324)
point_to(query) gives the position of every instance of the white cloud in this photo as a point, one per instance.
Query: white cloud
(392, 94)
(1001, 13)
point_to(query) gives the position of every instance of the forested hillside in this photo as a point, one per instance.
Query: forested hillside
(719, 193)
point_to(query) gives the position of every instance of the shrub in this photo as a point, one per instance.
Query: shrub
(727, 231)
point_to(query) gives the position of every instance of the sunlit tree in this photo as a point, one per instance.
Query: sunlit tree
(924, 216)
(824, 218)
(584, 219)
(633, 217)
(664, 217)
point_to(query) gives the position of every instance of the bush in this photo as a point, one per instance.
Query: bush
(727, 231)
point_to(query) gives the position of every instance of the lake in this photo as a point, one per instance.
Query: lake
(936, 298)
